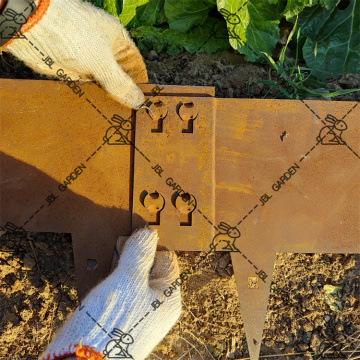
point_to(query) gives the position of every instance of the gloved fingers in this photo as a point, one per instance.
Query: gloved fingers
(106, 70)
(138, 254)
(118, 83)
(88, 44)
(129, 58)
(165, 270)
(120, 243)
(126, 53)
(166, 284)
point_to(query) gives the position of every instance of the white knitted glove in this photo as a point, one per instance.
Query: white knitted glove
(121, 317)
(87, 43)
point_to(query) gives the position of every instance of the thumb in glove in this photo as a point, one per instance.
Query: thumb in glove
(127, 314)
(87, 44)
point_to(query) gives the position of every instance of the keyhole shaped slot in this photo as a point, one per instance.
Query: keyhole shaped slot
(154, 203)
(188, 114)
(157, 114)
(157, 125)
(188, 128)
(186, 204)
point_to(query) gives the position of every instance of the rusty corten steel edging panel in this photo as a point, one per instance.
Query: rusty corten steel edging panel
(48, 134)
(48, 131)
(314, 208)
(250, 158)
(321, 195)
(176, 155)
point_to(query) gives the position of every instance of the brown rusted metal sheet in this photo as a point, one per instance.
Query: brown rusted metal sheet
(281, 191)
(289, 194)
(50, 135)
(175, 162)
(258, 173)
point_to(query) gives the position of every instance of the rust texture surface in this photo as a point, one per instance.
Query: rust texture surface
(177, 162)
(314, 207)
(49, 134)
(275, 174)
(283, 193)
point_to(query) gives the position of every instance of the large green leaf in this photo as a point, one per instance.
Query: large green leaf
(149, 37)
(174, 42)
(203, 37)
(337, 35)
(253, 25)
(110, 7)
(151, 13)
(129, 10)
(183, 15)
(293, 7)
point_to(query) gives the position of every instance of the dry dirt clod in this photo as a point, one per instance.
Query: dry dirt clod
(315, 341)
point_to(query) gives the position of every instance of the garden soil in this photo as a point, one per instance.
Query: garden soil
(37, 282)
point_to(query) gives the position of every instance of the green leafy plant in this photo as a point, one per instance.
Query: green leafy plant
(336, 34)
(329, 41)
(296, 81)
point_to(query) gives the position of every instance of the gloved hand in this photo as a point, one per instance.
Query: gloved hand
(87, 43)
(117, 317)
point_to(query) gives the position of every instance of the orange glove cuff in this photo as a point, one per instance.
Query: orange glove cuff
(33, 19)
(82, 352)
(87, 353)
